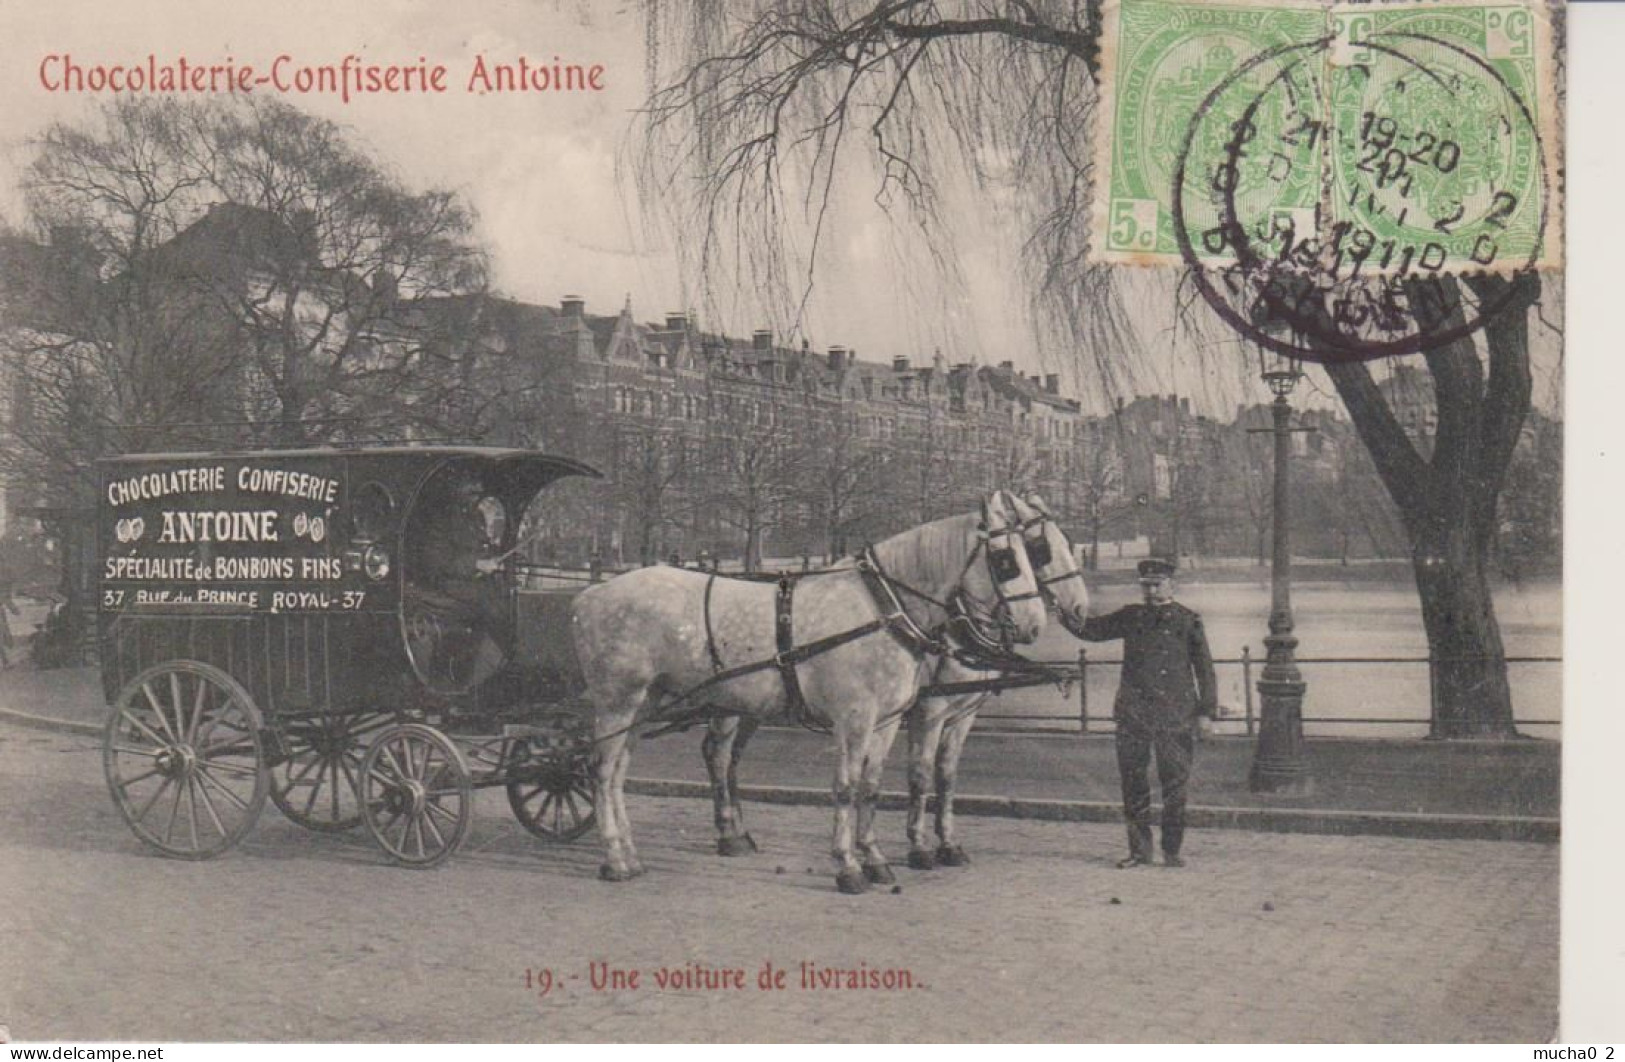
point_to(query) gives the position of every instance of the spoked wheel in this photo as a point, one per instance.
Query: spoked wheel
(551, 791)
(315, 782)
(184, 759)
(416, 794)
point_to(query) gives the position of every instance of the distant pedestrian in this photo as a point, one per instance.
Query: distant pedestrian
(1166, 694)
(595, 566)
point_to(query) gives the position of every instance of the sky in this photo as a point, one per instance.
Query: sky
(545, 173)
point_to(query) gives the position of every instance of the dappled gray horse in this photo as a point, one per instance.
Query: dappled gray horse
(661, 644)
(937, 725)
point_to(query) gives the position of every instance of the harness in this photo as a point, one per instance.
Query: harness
(894, 618)
(1011, 670)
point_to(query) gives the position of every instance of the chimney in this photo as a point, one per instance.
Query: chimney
(1052, 383)
(837, 358)
(573, 306)
(762, 339)
(938, 362)
(1185, 405)
(1008, 366)
(676, 322)
(899, 364)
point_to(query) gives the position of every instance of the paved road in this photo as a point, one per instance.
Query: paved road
(300, 937)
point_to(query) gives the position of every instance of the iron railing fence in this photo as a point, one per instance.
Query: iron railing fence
(1082, 721)
(1086, 720)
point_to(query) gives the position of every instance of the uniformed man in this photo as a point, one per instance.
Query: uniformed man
(1167, 692)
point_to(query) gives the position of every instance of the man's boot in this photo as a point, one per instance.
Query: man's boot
(1139, 848)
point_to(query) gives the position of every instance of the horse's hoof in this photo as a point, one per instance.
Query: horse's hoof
(852, 882)
(611, 872)
(879, 874)
(739, 845)
(951, 855)
(921, 859)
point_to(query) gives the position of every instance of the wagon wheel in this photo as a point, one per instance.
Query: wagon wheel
(551, 787)
(184, 759)
(416, 794)
(315, 783)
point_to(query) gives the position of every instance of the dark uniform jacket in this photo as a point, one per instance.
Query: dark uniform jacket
(1167, 669)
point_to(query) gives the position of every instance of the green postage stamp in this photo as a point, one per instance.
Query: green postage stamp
(1409, 138)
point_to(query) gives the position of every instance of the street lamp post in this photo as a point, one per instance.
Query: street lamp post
(1278, 760)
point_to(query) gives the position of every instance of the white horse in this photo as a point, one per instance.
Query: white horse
(659, 644)
(937, 725)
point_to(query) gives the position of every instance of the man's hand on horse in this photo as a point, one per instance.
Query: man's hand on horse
(1205, 726)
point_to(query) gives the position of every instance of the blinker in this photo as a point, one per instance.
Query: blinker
(1038, 552)
(1006, 567)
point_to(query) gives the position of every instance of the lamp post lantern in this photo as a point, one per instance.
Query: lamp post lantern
(1278, 759)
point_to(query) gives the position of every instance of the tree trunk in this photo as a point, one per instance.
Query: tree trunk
(646, 543)
(1470, 691)
(753, 547)
(1448, 502)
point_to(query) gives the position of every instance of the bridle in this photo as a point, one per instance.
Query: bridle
(971, 619)
(1040, 555)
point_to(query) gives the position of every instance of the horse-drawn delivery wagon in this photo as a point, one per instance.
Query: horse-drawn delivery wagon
(341, 631)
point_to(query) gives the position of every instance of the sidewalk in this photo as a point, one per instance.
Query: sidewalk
(1506, 790)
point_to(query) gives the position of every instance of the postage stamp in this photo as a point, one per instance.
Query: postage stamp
(1389, 140)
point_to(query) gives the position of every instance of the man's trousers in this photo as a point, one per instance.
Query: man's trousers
(1175, 747)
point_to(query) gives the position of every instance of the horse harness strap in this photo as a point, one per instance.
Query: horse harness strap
(894, 620)
(784, 635)
(895, 615)
(710, 637)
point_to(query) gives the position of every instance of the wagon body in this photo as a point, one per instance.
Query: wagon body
(302, 625)
(290, 570)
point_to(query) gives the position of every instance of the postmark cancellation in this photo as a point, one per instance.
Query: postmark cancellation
(1353, 140)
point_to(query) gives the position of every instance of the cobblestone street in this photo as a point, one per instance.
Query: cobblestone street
(296, 936)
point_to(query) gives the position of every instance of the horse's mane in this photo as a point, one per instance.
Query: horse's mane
(931, 557)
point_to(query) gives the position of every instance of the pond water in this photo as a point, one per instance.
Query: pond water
(1333, 620)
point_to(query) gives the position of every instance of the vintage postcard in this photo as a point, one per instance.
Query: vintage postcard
(911, 521)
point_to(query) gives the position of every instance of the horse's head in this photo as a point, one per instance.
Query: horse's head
(1054, 564)
(998, 591)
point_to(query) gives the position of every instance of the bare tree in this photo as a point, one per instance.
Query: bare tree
(1101, 485)
(746, 476)
(331, 305)
(763, 107)
(839, 475)
(110, 344)
(650, 473)
(210, 274)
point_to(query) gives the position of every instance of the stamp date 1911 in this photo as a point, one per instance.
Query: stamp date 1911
(1320, 165)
